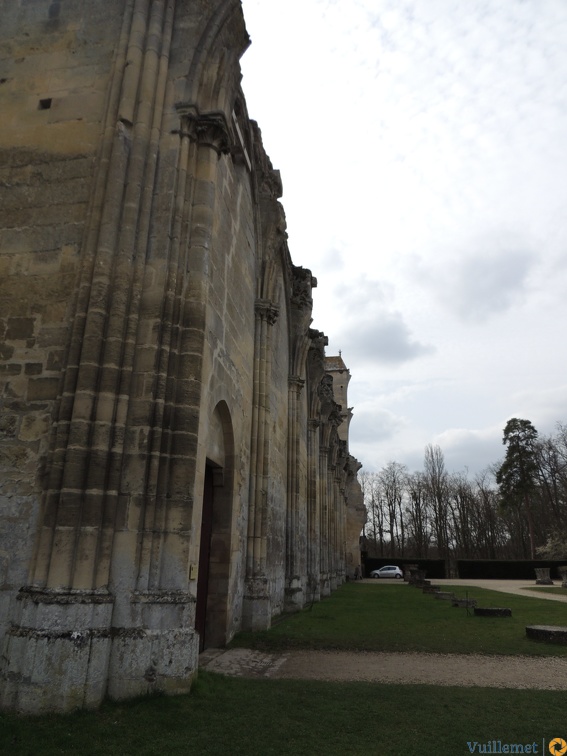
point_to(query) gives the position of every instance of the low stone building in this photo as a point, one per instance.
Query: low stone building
(174, 459)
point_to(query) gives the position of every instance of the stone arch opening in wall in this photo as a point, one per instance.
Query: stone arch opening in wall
(217, 533)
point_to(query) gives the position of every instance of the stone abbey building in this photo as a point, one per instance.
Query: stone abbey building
(174, 461)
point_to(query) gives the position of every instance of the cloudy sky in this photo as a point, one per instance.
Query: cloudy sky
(423, 151)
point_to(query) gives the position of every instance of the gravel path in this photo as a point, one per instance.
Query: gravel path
(536, 673)
(547, 673)
(433, 669)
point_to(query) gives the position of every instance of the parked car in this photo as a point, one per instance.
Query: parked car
(389, 571)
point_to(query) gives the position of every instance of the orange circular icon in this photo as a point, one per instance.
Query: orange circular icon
(558, 747)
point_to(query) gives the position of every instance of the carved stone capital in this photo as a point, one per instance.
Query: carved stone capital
(296, 383)
(207, 129)
(266, 310)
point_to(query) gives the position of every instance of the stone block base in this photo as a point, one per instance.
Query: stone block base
(294, 596)
(256, 605)
(547, 634)
(48, 672)
(149, 661)
(55, 655)
(492, 611)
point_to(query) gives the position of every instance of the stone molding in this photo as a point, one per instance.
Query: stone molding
(162, 597)
(61, 596)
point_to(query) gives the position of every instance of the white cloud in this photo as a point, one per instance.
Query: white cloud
(423, 155)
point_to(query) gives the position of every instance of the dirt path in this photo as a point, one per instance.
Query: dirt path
(549, 673)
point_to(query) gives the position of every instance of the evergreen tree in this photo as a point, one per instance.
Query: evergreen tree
(517, 475)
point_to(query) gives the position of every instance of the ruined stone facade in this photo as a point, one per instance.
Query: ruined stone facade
(173, 466)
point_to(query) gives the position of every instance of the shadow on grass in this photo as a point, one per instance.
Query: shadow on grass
(286, 717)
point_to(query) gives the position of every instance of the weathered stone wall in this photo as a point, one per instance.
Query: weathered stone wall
(55, 70)
(171, 470)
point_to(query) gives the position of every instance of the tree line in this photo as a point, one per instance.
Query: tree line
(515, 509)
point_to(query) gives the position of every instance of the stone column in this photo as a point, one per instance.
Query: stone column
(313, 514)
(161, 608)
(301, 306)
(315, 372)
(333, 523)
(257, 603)
(294, 598)
(324, 520)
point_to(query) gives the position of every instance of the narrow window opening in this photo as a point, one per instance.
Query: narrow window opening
(45, 104)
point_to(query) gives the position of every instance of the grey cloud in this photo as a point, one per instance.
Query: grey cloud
(374, 425)
(489, 277)
(382, 339)
(468, 449)
(372, 331)
(490, 283)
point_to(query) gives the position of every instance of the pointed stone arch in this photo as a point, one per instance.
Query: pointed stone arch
(218, 532)
(213, 79)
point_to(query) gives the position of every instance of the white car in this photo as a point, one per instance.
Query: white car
(389, 571)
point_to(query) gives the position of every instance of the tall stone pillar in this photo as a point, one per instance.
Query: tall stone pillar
(313, 587)
(315, 373)
(61, 626)
(294, 598)
(355, 518)
(339, 514)
(333, 521)
(161, 607)
(325, 584)
(272, 255)
(256, 612)
(301, 302)
(330, 417)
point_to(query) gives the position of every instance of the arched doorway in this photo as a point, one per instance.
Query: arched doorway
(213, 611)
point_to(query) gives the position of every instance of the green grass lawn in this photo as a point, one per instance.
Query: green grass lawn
(232, 717)
(238, 717)
(378, 617)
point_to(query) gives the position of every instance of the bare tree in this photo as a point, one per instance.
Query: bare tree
(391, 479)
(418, 515)
(436, 485)
(374, 529)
